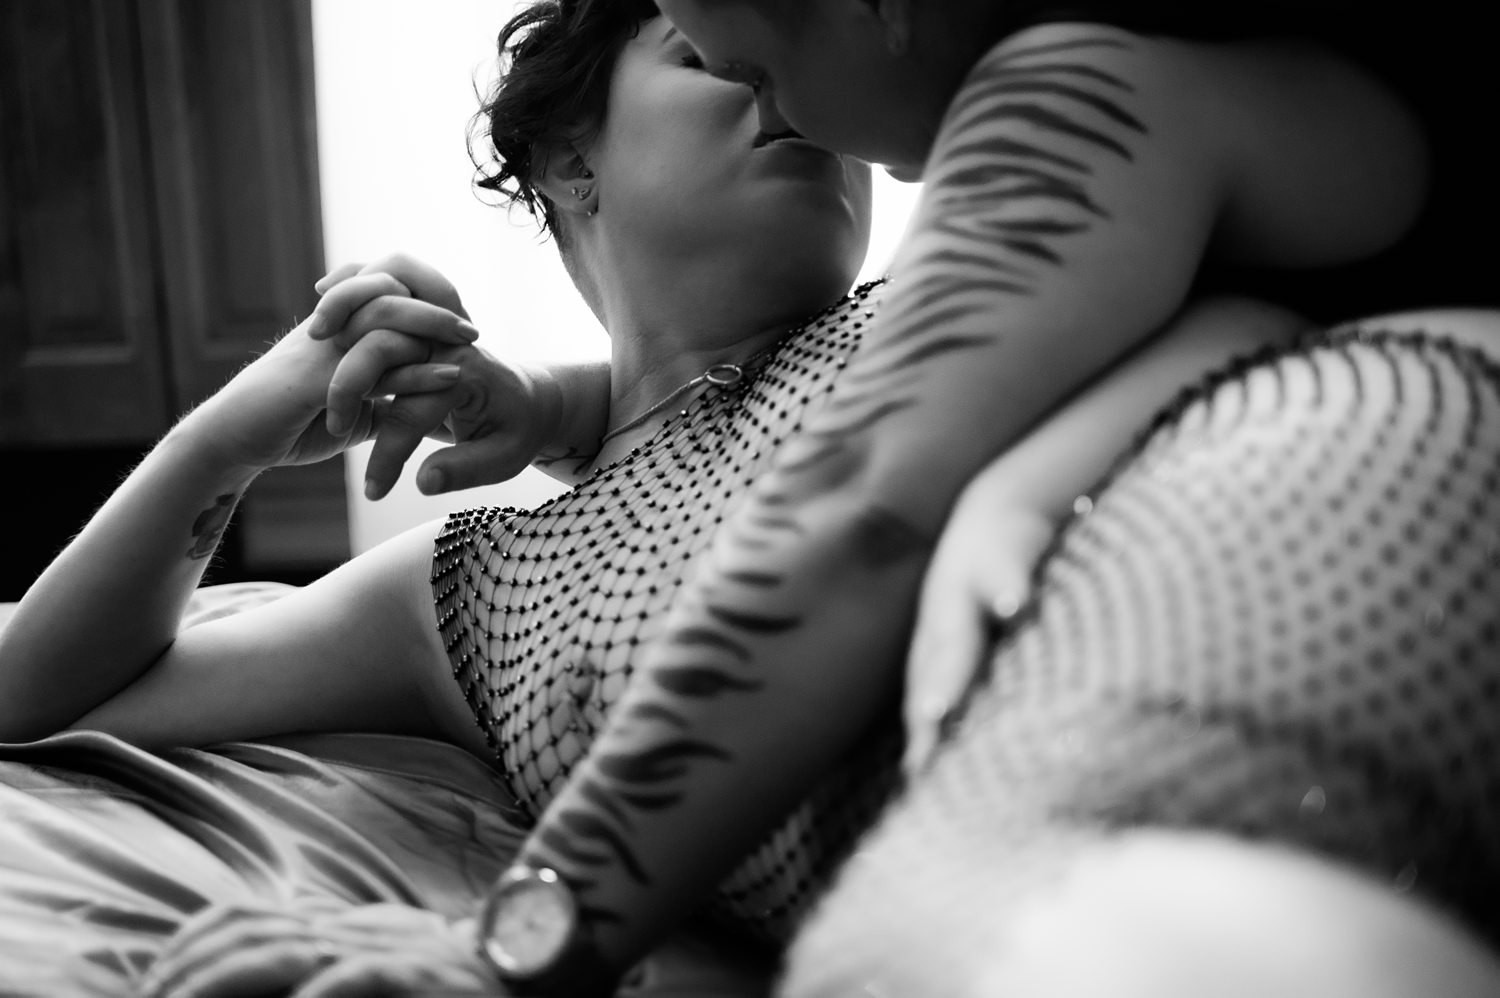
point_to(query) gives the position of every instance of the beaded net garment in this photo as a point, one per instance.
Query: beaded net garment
(543, 612)
(1280, 620)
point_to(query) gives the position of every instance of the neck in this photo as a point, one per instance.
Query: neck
(675, 329)
(649, 384)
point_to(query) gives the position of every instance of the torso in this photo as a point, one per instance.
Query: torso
(545, 611)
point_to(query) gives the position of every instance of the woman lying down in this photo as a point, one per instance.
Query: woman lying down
(368, 753)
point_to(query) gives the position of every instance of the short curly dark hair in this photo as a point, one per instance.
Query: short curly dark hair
(556, 57)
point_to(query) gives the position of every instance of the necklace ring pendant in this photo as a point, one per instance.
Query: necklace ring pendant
(724, 375)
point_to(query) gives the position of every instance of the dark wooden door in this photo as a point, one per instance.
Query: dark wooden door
(159, 224)
(159, 214)
(81, 334)
(229, 102)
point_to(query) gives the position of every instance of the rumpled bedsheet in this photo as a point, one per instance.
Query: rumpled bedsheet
(106, 849)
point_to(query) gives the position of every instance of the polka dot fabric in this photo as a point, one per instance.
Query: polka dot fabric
(544, 612)
(1279, 620)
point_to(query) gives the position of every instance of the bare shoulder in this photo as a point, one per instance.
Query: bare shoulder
(1315, 161)
(1327, 163)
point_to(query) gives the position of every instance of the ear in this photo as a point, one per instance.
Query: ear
(566, 179)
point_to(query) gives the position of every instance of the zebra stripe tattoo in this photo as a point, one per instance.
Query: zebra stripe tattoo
(1008, 186)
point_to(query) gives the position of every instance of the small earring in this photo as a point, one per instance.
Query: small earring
(582, 193)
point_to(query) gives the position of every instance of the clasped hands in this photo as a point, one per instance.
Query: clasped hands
(387, 356)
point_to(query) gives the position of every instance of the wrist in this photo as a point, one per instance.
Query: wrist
(532, 936)
(549, 404)
(198, 443)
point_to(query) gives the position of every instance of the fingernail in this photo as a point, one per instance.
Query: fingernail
(447, 372)
(1007, 604)
(468, 331)
(316, 326)
(430, 481)
(918, 751)
(335, 424)
(372, 490)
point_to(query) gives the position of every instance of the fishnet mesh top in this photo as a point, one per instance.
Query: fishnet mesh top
(1280, 620)
(543, 612)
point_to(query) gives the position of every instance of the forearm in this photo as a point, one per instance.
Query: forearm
(577, 397)
(108, 606)
(728, 725)
(791, 636)
(1047, 471)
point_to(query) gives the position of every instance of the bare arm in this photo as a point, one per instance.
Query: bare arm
(94, 642)
(1078, 182)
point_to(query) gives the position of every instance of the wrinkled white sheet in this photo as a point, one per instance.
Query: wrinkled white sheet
(105, 849)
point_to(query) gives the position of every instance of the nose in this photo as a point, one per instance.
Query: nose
(771, 120)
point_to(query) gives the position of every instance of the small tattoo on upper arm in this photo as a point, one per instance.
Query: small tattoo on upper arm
(209, 527)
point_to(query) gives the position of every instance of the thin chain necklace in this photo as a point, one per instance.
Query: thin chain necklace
(729, 375)
(722, 375)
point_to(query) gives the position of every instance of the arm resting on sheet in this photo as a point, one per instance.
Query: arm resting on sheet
(95, 640)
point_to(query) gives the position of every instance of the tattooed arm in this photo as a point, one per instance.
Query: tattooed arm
(103, 617)
(1080, 177)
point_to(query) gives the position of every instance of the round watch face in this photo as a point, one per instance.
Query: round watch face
(528, 921)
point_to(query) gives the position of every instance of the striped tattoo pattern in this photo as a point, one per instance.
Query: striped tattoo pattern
(1007, 188)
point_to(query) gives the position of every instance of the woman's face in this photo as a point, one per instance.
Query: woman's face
(830, 71)
(684, 163)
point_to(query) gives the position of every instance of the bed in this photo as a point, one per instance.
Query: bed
(106, 849)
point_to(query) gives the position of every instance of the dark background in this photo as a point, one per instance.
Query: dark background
(159, 222)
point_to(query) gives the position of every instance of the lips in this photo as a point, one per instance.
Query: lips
(791, 140)
(763, 139)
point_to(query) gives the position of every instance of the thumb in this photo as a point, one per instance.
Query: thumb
(948, 649)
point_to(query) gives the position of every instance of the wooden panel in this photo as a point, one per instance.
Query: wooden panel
(229, 91)
(80, 344)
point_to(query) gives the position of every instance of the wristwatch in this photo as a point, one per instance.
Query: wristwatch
(530, 934)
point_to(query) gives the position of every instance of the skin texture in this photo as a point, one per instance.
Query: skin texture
(1077, 181)
(677, 166)
(841, 72)
(803, 608)
(743, 241)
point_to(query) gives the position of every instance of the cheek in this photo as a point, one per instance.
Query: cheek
(674, 156)
(816, 103)
(846, 118)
